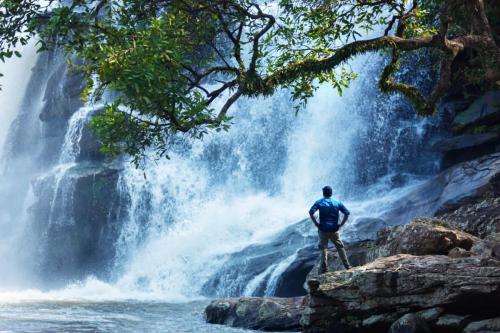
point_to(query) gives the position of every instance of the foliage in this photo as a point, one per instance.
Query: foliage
(179, 65)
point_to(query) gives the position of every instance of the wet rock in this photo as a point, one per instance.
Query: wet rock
(480, 218)
(266, 314)
(249, 271)
(62, 95)
(483, 110)
(430, 315)
(364, 228)
(484, 326)
(489, 246)
(402, 284)
(377, 322)
(421, 236)
(79, 223)
(89, 144)
(465, 141)
(474, 150)
(409, 323)
(451, 323)
(460, 185)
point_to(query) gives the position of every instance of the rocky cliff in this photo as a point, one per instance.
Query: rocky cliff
(421, 277)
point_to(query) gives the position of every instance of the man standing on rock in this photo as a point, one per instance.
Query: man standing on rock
(328, 226)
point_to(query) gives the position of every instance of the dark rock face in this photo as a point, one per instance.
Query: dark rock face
(479, 218)
(475, 130)
(409, 323)
(458, 252)
(79, 224)
(266, 314)
(365, 228)
(451, 323)
(401, 284)
(484, 326)
(63, 94)
(90, 145)
(485, 109)
(465, 141)
(463, 184)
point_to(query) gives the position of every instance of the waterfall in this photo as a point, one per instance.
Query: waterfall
(241, 188)
(163, 231)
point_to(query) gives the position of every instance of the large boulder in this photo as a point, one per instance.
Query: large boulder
(265, 314)
(479, 218)
(341, 301)
(422, 236)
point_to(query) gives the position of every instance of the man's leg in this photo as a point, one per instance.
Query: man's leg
(341, 250)
(323, 246)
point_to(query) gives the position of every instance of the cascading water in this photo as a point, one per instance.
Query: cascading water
(103, 230)
(18, 72)
(242, 188)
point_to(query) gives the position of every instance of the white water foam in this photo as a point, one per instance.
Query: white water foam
(17, 72)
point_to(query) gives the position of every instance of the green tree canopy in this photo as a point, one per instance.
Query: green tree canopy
(172, 62)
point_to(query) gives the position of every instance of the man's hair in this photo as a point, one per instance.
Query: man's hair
(327, 191)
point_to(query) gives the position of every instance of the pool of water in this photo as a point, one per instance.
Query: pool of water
(119, 317)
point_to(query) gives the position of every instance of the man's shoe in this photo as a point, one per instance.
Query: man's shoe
(322, 269)
(347, 266)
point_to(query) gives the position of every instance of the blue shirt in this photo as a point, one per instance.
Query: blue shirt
(328, 213)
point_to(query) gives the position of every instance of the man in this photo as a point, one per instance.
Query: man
(328, 226)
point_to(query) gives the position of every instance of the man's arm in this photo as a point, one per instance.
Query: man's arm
(346, 213)
(313, 210)
(344, 220)
(313, 218)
